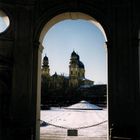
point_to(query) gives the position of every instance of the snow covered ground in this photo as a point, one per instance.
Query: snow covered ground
(91, 124)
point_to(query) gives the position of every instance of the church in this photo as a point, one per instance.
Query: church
(76, 76)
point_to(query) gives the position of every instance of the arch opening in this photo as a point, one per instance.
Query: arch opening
(66, 16)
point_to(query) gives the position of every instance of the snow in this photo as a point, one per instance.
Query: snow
(91, 124)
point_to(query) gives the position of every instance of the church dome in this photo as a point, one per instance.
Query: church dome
(73, 54)
(45, 58)
(81, 65)
(45, 61)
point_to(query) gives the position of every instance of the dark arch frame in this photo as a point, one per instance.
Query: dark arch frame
(47, 16)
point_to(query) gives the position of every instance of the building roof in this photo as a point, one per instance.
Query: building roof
(45, 58)
(80, 64)
(73, 53)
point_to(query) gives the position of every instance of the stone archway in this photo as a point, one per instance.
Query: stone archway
(47, 26)
(19, 44)
(73, 16)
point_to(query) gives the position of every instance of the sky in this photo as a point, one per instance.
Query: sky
(85, 39)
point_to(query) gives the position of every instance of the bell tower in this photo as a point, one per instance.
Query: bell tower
(73, 70)
(76, 70)
(45, 66)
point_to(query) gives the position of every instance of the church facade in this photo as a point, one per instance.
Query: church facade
(76, 76)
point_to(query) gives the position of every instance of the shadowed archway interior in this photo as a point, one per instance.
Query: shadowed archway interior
(20, 62)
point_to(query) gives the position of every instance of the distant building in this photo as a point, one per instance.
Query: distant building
(45, 66)
(76, 74)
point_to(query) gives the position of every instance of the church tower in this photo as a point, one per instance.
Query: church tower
(76, 70)
(45, 66)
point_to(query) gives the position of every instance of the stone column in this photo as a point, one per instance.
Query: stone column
(37, 87)
(123, 78)
(21, 109)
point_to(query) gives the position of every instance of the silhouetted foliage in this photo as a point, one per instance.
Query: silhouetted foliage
(65, 96)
